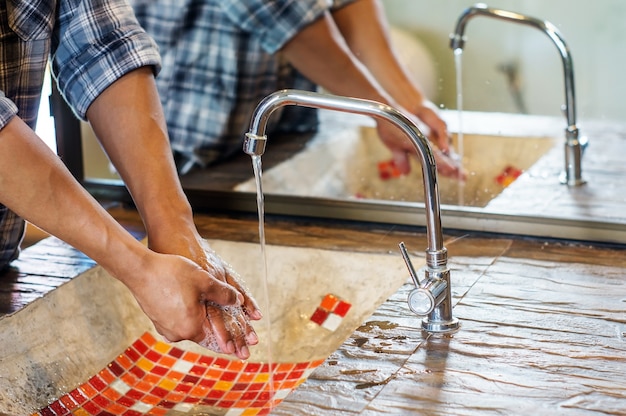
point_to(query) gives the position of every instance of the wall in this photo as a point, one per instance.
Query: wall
(594, 36)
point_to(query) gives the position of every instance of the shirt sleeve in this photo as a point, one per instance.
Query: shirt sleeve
(8, 110)
(97, 42)
(276, 22)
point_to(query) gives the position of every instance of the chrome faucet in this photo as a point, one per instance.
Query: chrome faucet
(432, 298)
(574, 145)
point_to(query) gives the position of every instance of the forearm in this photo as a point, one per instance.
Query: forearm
(321, 54)
(129, 122)
(37, 186)
(364, 27)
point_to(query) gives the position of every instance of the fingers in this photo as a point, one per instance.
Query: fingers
(225, 272)
(250, 305)
(448, 166)
(226, 330)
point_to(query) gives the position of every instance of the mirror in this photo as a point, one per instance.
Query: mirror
(512, 133)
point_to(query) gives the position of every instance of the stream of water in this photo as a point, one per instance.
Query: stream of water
(458, 54)
(257, 166)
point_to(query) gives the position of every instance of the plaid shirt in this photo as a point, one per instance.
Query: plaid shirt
(219, 61)
(91, 44)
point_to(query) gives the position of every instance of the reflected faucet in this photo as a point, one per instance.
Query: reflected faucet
(574, 145)
(432, 298)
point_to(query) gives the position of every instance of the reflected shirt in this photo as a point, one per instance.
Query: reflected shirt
(219, 60)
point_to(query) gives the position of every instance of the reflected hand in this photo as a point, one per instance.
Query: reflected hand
(401, 148)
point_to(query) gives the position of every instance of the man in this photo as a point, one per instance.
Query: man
(104, 65)
(221, 57)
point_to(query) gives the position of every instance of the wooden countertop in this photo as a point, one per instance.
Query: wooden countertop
(543, 328)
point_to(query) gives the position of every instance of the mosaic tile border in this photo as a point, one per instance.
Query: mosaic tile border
(153, 377)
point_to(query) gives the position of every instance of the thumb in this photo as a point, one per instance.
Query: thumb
(221, 293)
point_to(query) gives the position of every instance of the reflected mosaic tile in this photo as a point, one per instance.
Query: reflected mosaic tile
(156, 378)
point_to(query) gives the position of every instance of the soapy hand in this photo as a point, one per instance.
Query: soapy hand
(223, 327)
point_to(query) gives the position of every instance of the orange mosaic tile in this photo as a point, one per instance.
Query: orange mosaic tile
(152, 377)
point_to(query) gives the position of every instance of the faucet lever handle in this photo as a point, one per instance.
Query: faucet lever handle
(409, 265)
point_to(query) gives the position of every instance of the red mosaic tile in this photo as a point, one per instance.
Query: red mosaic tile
(221, 363)
(198, 370)
(116, 369)
(97, 383)
(126, 401)
(250, 395)
(134, 394)
(208, 383)
(206, 360)
(252, 367)
(58, 408)
(153, 356)
(46, 412)
(137, 372)
(319, 316)
(159, 370)
(166, 404)
(176, 352)
(132, 354)
(228, 376)
(183, 388)
(91, 408)
(140, 346)
(78, 396)
(159, 392)
(101, 401)
(342, 308)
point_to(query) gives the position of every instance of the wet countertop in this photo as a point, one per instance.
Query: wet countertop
(543, 324)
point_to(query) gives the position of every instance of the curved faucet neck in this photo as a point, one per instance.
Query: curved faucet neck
(457, 41)
(254, 144)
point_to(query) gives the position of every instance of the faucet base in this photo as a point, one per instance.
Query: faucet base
(440, 327)
(563, 178)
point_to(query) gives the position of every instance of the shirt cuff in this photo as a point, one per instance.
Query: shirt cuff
(8, 110)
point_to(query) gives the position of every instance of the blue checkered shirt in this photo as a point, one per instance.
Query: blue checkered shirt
(90, 43)
(219, 61)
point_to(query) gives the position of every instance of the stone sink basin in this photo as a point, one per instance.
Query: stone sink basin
(357, 166)
(87, 345)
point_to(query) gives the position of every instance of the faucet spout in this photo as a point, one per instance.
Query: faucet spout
(440, 318)
(574, 146)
